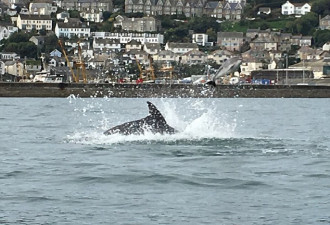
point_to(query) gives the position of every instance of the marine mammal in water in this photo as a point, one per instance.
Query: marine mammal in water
(154, 123)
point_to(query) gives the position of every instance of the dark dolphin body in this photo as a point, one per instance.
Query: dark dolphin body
(154, 123)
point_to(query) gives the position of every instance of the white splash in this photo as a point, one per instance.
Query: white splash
(194, 121)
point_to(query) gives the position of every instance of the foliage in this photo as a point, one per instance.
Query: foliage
(106, 15)
(135, 15)
(20, 44)
(51, 43)
(321, 37)
(177, 30)
(19, 37)
(321, 7)
(188, 70)
(179, 34)
(28, 49)
(74, 14)
(107, 26)
(304, 25)
(202, 24)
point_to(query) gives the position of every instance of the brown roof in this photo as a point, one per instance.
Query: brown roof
(72, 23)
(34, 17)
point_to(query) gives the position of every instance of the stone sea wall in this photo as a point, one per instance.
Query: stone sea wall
(161, 90)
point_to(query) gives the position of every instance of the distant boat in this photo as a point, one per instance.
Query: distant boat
(46, 77)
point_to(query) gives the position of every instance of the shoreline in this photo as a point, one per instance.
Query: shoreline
(63, 90)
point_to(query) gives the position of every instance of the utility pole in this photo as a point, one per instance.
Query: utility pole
(286, 71)
(303, 71)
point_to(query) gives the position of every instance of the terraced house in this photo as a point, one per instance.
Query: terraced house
(34, 22)
(88, 5)
(227, 9)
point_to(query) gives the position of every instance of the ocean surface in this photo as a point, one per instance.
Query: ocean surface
(234, 161)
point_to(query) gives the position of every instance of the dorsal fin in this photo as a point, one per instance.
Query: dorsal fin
(153, 111)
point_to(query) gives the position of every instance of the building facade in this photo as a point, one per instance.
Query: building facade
(72, 28)
(88, 5)
(144, 24)
(34, 22)
(325, 23)
(231, 41)
(125, 38)
(289, 8)
(228, 9)
(42, 8)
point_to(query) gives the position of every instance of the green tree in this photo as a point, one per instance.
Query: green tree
(51, 43)
(212, 34)
(321, 7)
(321, 37)
(201, 24)
(19, 37)
(304, 25)
(28, 49)
(74, 14)
(106, 15)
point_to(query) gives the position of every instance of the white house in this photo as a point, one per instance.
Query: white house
(72, 27)
(201, 39)
(289, 8)
(181, 48)
(55, 53)
(126, 37)
(248, 66)
(220, 56)
(326, 46)
(2, 68)
(8, 56)
(34, 22)
(6, 31)
(237, 1)
(151, 48)
(133, 45)
(92, 16)
(194, 57)
(264, 10)
(62, 15)
(108, 44)
(165, 56)
(42, 8)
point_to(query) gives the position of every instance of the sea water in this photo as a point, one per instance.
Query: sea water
(233, 161)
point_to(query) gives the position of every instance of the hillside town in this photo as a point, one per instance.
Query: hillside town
(73, 44)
